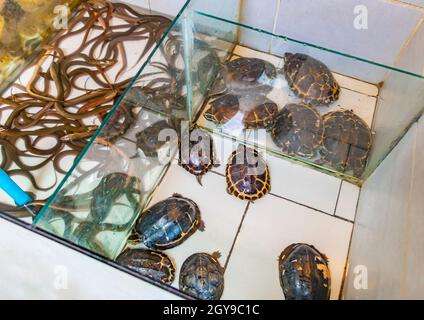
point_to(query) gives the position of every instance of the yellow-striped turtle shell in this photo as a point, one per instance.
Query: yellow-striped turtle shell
(310, 79)
(247, 174)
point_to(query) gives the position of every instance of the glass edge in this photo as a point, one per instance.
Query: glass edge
(102, 125)
(311, 45)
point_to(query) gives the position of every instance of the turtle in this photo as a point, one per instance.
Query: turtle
(150, 139)
(347, 141)
(121, 120)
(150, 263)
(310, 79)
(247, 174)
(197, 153)
(244, 75)
(168, 223)
(248, 112)
(202, 276)
(304, 273)
(298, 130)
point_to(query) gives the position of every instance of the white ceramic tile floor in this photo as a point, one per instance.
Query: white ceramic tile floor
(221, 213)
(302, 212)
(347, 202)
(268, 228)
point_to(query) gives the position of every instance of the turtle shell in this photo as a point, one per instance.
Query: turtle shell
(243, 75)
(298, 130)
(153, 264)
(119, 123)
(310, 79)
(247, 174)
(347, 142)
(169, 223)
(304, 273)
(202, 276)
(197, 154)
(258, 112)
(149, 140)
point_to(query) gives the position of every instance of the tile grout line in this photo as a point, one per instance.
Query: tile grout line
(346, 266)
(338, 197)
(236, 237)
(298, 203)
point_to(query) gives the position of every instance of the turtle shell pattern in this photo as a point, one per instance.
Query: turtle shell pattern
(347, 141)
(227, 108)
(247, 174)
(153, 264)
(304, 273)
(169, 223)
(197, 155)
(202, 277)
(243, 75)
(149, 140)
(310, 79)
(298, 130)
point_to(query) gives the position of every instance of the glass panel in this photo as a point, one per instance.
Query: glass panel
(102, 195)
(308, 103)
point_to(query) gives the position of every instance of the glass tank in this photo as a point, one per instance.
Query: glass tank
(262, 93)
(24, 26)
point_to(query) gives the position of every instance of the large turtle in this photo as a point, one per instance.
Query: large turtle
(244, 112)
(153, 264)
(247, 174)
(168, 223)
(197, 153)
(304, 273)
(298, 130)
(310, 79)
(202, 276)
(243, 75)
(347, 142)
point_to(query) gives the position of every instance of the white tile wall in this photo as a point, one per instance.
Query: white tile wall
(347, 201)
(387, 237)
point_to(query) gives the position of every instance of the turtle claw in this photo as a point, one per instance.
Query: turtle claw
(202, 226)
(199, 180)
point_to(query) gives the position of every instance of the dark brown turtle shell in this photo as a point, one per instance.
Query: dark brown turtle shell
(202, 276)
(298, 130)
(247, 174)
(347, 142)
(242, 75)
(310, 79)
(153, 264)
(122, 119)
(197, 154)
(169, 223)
(260, 114)
(304, 273)
(149, 140)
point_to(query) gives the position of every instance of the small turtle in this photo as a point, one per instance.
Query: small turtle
(304, 273)
(169, 223)
(150, 140)
(249, 111)
(197, 154)
(202, 276)
(153, 264)
(347, 141)
(298, 130)
(243, 75)
(310, 79)
(247, 174)
(122, 119)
